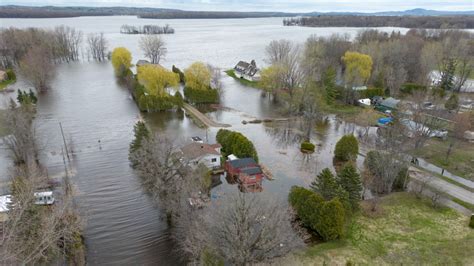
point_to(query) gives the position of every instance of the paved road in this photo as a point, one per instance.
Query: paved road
(202, 117)
(438, 183)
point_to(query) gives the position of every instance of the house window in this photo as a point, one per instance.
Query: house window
(214, 160)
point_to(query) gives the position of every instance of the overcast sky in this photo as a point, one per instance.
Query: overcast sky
(266, 5)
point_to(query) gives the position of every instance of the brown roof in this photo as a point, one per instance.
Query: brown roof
(195, 150)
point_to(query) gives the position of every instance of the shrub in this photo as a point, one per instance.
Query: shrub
(141, 132)
(198, 96)
(471, 222)
(347, 148)
(26, 97)
(307, 147)
(324, 217)
(371, 93)
(410, 88)
(11, 75)
(235, 143)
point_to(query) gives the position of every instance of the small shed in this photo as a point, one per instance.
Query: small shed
(388, 104)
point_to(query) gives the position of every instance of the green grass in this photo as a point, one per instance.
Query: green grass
(5, 83)
(248, 83)
(460, 161)
(408, 231)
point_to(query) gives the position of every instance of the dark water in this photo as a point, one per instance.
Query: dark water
(123, 226)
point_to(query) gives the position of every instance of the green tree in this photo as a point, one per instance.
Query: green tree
(325, 184)
(452, 103)
(121, 61)
(347, 148)
(329, 83)
(198, 76)
(327, 218)
(157, 79)
(350, 181)
(358, 68)
(270, 79)
(447, 75)
(235, 143)
(141, 133)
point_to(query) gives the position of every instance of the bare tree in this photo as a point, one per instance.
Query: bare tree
(21, 142)
(37, 67)
(153, 47)
(278, 51)
(240, 229)
(67, 42)
(36, 234)
(97, 46)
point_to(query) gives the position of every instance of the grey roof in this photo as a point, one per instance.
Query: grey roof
(247, 68)
(142, 62)
(195, 150)
(242, 163)
(390, 102)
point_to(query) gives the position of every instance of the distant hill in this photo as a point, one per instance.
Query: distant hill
(14, 11)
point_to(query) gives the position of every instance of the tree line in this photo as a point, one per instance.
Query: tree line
(420, 22)
(34, 52)
(146, 29)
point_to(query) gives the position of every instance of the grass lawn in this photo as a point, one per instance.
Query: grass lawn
(249, 83)
(460, 162)
(407, 231)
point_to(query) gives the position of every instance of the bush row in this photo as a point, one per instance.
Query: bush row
(235, 143)
(327, 218)
(199, 96)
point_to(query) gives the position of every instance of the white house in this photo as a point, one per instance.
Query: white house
(247, 71)
(200, 153)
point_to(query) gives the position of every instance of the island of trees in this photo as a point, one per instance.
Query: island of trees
(425, 22)
(146, 29)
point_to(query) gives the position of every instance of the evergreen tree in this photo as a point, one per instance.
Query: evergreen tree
(141, 132)
(33, 98)
(447, 75)
(349, 180)
(325, 184)
(329, 83)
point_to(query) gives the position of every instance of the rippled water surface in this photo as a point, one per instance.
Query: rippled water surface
(97, 114)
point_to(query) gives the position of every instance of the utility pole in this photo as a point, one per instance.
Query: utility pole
(64, 140)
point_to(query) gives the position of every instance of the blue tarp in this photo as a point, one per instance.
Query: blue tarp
(385, 120)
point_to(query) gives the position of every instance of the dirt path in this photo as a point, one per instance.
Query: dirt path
(202, 117)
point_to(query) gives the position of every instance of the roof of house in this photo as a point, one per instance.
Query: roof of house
(247, 68)
(255, 170)
(195, 150)
(142, 62)
(242, 163)
(390, 102)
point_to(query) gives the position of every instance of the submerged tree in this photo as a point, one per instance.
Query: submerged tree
(122, 61)
(153, 47)
(37, 67)
(97, 46)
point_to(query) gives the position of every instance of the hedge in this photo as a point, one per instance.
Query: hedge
(201, 96)
(347, 148)
(235, 143)
(327, 218)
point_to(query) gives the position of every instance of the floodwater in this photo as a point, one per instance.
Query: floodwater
(97, 115)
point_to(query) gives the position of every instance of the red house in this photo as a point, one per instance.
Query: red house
(246, 170)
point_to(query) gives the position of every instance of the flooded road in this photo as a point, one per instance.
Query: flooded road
(97, 114)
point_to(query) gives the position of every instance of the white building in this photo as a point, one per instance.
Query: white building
(200, 153)
(247, 71)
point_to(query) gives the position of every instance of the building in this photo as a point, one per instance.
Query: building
(247, 171)
(200, 153)
(3, 75)
(247, 71)
(389, 104)
(142, 62)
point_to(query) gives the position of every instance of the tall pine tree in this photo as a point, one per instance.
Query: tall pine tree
(349, 180)
(325, 184)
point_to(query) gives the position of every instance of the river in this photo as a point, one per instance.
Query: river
(122, 224)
